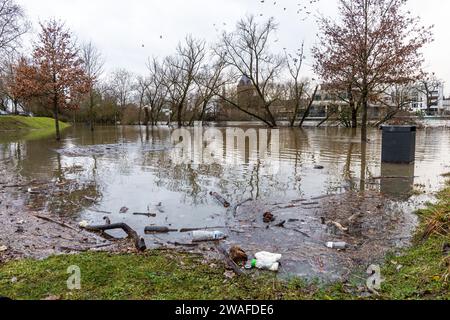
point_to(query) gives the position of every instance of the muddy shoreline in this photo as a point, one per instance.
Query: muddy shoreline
(32, 227)
(28, 230)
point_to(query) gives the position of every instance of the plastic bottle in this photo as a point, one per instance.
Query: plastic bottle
(266, 261)
(337, 245)
(208, 235)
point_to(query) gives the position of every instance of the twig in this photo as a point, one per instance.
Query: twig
(236, 207)
(220, 199)
(228, 260)
(150, 215)
(178, 244)
(138, 241)
(56, 222)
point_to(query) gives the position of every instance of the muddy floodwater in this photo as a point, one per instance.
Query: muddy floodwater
(318, 186)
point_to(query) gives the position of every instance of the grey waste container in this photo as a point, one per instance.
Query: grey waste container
(399, 144)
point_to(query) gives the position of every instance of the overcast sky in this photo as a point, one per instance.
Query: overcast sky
(120, 28)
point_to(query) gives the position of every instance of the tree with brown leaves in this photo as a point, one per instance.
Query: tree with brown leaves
(55, 74)
(375, 43)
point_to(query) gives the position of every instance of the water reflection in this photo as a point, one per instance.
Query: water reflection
(138, 171)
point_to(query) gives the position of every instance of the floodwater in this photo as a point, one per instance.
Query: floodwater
(136, 170)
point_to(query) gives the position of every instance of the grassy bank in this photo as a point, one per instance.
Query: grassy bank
(420, 272)
(12, 123)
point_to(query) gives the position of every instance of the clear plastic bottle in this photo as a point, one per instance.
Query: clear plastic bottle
(337, 245)
(208, 236)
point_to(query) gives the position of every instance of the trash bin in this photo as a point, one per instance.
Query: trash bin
(399, 144)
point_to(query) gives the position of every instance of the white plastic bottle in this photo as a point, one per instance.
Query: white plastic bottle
(200, 235)
(337, 245)
(267, 261)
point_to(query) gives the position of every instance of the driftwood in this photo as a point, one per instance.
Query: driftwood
(159, 230)
(138, 241)
(228, 260)
(55, 222)
(323, 197)
(281, 224)
(310, 203)
(150, 215)
(85, 249)
(236, 207)
(99, 211)
(220, 199)
(179, 244)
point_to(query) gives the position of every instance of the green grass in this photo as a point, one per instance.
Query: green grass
(154, 275)
(425, 272)
(12, 123)
(169, 275)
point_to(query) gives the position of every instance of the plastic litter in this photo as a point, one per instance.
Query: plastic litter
(266, 261)
(199, 236)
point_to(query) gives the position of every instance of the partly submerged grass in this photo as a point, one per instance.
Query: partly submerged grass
(154, 275)
(11, 123)
(423, 271)
(420, 272)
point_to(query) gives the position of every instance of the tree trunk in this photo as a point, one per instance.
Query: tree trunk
(354, 116)
(56, 115)
(353, 108)
(15, 107)
(308, 109)
(179, 116)
(147, 117)
(272, 120)
(91, 109)
(365, 104)
(297, 106)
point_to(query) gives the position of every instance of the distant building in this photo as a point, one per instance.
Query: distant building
(419, 101)
(446, 106)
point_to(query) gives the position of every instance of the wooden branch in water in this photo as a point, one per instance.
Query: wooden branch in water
(138, 241)
(159, 230)
(228, 260)
(179, 244)
(236, 207)
(150, 215)
(55, 222)
(220, 199)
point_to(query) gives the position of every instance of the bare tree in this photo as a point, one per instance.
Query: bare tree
(122, 86)
(93, 66)
(296, 85)
(12, 25)
(209, 82)
(428, 85)
(8, 74)
(246, 50)
(157, 92)
(141, 86)
(182, 70)
(378, 39)
(400, 98)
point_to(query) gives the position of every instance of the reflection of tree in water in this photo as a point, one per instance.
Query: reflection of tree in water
(55, 187)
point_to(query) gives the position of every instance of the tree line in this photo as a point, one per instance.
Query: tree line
(372, 49)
